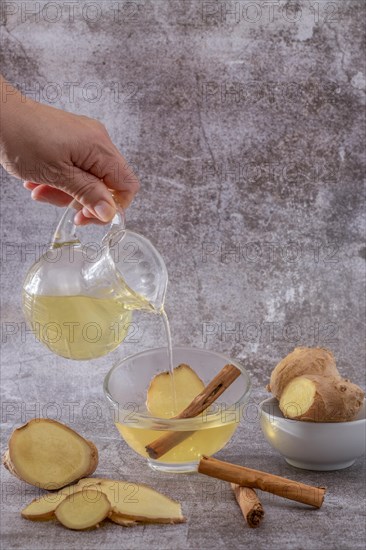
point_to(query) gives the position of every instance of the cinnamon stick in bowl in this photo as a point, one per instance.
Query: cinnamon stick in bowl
(201, 402)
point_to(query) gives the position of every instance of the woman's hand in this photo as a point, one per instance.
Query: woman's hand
(62, 156)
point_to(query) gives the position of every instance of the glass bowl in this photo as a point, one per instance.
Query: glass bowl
(126, 385)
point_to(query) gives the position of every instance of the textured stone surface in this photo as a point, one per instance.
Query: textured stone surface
(246, 132)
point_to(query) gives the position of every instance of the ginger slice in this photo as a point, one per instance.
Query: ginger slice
(318, 398)
(83, 510)
(138, 502)
(120, 520)
(49, 455)
(125, 495)
(298, 397)
(130, 503)
(160, 397)
(93, 482)
(43, 508)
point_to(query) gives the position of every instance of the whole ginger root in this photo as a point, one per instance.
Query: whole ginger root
(309, 387)
(301, 361)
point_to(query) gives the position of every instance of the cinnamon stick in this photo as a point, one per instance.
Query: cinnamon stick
(246, 477)
(202, 401)
(249, 504)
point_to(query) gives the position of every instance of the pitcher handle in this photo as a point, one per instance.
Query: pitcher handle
(66, 229)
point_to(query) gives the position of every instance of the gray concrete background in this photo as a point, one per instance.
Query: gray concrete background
(246, 130)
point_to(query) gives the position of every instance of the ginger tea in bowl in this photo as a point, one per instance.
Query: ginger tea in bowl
(145, 407)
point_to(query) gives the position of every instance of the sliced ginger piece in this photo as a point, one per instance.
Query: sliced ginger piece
(89, 482)
(49, 455)
(318, 398)
(120, 520)
(124, 495)
(130, 503)
(298, 397)
(43, 508)
(137, 502)
(83, 510)
(160, 398)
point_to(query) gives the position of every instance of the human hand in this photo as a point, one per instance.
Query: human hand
(62, 156)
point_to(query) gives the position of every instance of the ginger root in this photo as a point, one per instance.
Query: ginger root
(321, 399)
(49, 455)
(309, 387)
(301, 361)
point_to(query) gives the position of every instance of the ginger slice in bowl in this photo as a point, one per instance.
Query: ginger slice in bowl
(160, 396)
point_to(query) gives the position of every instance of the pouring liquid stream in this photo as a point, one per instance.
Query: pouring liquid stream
(137, 302)
(134, 301)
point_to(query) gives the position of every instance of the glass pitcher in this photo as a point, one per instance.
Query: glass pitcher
(81, 308)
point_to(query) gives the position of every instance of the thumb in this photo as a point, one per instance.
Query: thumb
(118, 176)
(92, 193)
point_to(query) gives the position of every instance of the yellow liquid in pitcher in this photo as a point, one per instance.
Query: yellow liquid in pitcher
(77, 327)
(83, 327)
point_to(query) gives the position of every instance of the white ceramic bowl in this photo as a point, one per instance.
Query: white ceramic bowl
(314, 445)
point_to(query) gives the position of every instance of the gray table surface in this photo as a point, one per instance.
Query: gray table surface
(246, 131)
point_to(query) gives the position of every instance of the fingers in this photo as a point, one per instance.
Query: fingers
(123, 181)
(86, 213)
(120, 176)
(113, 181)
(91, 193)
(51, 195)
(98, 181)
(30, 185)
(45, 193)
(88, 190)
(124, 198)
(116, 173)
(81, 219)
